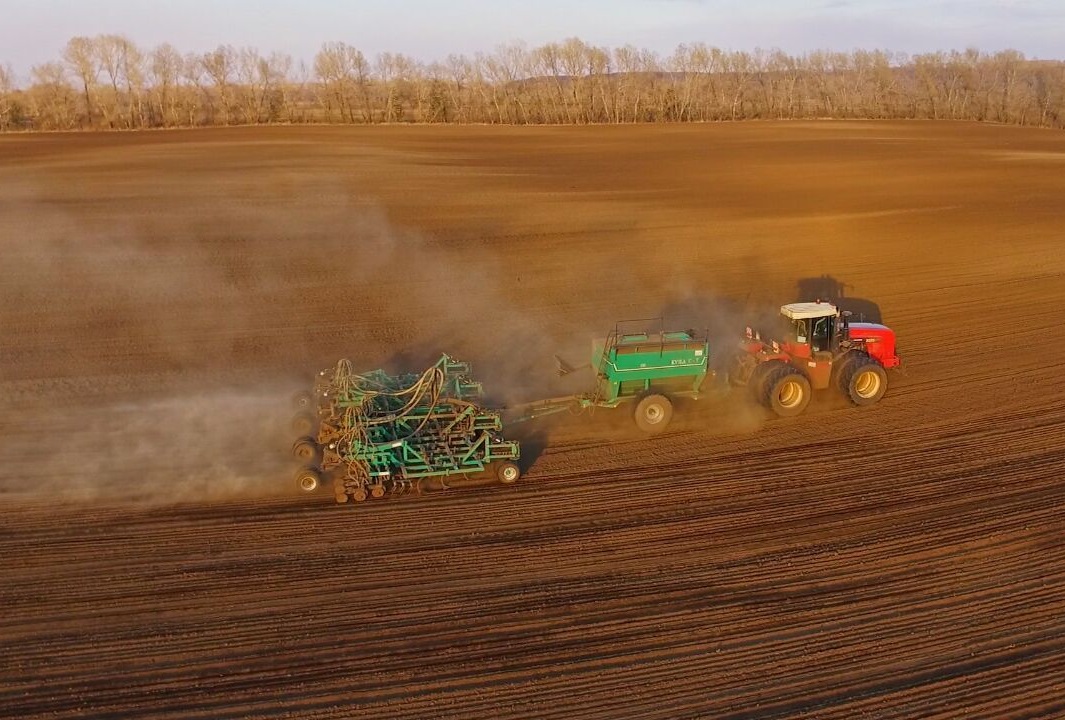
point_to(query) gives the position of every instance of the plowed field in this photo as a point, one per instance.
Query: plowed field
(164, 294)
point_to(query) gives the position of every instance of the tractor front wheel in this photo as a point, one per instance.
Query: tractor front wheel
(653, 413)
(787, 392)
(866, 384)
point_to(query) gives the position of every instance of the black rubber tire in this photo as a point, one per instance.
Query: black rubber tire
(756, 383)
(841, 370)
(653, 413)
(866, 383)
(787, 392)
(308, 480)
(508, 472)
(306, 450)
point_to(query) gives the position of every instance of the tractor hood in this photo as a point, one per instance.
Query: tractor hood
(879, 341)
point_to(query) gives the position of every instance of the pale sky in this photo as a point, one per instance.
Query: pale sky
(35, 31)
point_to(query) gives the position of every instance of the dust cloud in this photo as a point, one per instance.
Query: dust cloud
(154, 351)
(153, 359)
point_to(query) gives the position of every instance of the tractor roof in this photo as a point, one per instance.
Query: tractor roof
(800, 310)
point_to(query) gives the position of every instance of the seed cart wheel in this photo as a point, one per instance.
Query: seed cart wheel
(377, 491)
(653, 413)
(306, 449)
(787, 392)
(508, 472)
(308, 479)
(867, 383)
(303, 424)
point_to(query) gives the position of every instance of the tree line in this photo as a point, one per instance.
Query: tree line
(108, 82)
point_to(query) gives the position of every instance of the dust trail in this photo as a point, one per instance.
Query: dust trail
(199, 447)
(153, 354)
(153, 360)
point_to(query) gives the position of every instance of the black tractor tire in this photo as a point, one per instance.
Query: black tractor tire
(841, 369)
(787, 392)
(653, 413)
(308, 480)
(508, 472)
(866, 383)
(756, 382)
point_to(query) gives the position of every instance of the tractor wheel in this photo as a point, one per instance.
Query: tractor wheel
(508, 472)
(306, 449)
(308, 480)
(756, 382)
(653, 413)
(866, 383)
(787, 392)
(841, 370)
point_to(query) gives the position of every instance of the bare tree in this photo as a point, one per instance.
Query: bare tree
(53, 100)
(107, 81)
(219, 66)
(7, 102)
(295, 92)
(198, 105)
(164, 68)
(110, 53)
(458, 71)
(82, 58)
(134, 73)
(636, 69)
(345, 74)
(398, 76)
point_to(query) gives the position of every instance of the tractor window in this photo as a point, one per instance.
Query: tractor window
(800, 331)
(822, 334)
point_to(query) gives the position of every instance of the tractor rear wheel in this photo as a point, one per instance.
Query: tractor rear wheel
(508, 472)
(866, 383)
(653, 413)
(756, 382)
(787, 392)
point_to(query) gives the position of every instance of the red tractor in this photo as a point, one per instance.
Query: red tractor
(818, 348)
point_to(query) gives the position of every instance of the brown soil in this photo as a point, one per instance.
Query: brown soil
(164, 293)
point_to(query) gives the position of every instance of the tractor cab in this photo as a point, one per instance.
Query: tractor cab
(811, 327)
